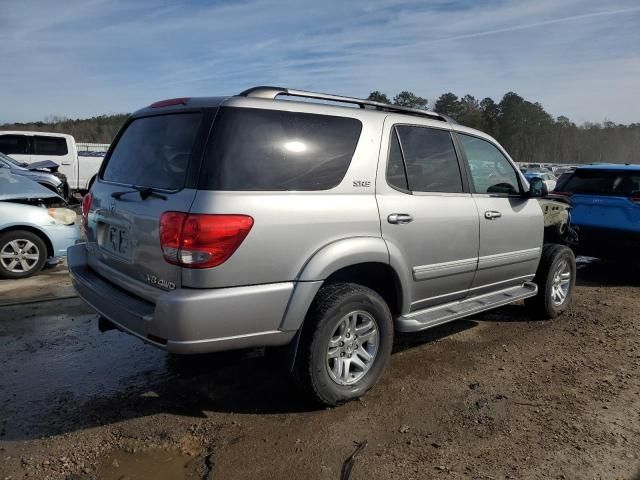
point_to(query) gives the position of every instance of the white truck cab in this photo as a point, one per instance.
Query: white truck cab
(33, 147)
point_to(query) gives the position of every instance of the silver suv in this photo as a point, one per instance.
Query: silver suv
(251, 221)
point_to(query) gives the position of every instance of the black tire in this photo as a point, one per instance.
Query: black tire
(6, 247)
(543, 304)
(332, 304)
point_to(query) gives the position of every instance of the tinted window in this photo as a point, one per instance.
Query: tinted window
(54, 146)
(430, 159)
(254, 149)
(154, 151)
(14, 144)
(603, 182)
(396, 175)
(490, 170)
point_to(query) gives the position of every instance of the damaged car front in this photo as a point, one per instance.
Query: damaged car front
(36, 226)
(44, 172)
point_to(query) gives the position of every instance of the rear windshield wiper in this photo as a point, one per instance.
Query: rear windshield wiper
(145, 192)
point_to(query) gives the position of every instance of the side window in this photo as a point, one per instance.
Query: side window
(491, 172)
(56, 146)
(14, 144)
(430, 159)
(396, 175)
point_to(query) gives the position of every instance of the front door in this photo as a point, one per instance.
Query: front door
(511, 225)
(428, 218)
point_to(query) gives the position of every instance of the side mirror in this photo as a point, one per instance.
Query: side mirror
(537, 187)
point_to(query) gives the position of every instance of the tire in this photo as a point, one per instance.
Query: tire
(32, 254)
(330, 319)
(557, 261)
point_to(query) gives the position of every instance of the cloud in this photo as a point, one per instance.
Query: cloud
(578, 58)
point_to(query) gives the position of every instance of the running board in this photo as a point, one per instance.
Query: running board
(432, 316)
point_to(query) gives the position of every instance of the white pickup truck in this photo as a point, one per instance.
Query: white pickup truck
(33, 147)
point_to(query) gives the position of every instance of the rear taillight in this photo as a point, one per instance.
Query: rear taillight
(201, 240)
(86, 205)
(635, 199)
(564, 194)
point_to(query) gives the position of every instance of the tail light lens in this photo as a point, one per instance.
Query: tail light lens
(635, 199)
(86, 205)
(564, 194)
(201, 240)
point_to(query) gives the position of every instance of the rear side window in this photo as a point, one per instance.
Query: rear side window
(154, 151)
(255, 149)
(54, 146)
(603, 182)
(14, 144)
(430, 159)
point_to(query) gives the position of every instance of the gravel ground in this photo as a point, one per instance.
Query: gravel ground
(496, 396)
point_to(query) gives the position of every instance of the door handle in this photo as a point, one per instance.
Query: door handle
(399, 218)
(492, 215)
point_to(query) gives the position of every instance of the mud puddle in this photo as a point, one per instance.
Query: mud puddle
(152, 464)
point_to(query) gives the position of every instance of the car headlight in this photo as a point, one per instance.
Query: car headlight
(62, 215)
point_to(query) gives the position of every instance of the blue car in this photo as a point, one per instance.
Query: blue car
(36, 226)
(606, 209)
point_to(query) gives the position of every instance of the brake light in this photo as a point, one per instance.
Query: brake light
(635, 199)
(170, 102)
(201, 240)
(564, 194)
(86, 205)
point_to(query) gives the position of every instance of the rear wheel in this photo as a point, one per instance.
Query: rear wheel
(345, 345)
(22, 254)
(556, 277)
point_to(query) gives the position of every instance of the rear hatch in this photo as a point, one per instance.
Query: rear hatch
(150, 170)
(605, 199)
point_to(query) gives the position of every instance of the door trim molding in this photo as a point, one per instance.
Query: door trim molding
(444, 269)
(508, 258)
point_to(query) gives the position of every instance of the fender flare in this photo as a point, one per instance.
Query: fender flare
(328, 260)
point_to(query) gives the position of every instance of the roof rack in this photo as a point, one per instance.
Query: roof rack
(272, 92)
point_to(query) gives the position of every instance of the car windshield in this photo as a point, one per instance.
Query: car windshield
(7, 158)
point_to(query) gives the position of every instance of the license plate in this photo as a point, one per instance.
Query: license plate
(117, 241)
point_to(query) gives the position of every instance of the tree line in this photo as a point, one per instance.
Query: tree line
(529, 133)
(524, 128)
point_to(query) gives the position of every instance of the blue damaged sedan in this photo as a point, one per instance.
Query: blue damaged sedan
(36, 226)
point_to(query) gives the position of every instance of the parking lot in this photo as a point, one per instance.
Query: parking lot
(500, 395)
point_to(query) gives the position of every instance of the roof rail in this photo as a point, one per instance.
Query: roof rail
(272, 92)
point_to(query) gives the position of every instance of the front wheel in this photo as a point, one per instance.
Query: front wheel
(22, 254)
(346, 343)
(556, 278)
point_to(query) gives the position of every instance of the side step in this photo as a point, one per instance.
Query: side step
(432, 316)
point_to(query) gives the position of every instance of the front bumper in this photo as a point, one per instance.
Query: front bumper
(185, 320)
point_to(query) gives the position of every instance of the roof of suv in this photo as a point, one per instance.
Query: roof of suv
(264, 97)
(609, 166)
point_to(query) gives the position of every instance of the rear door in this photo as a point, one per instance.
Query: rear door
(427, 217)
(511, 225)
(56, 149)
(161, 152)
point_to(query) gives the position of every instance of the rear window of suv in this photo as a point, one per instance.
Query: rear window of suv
(255, 149)
(603, 182)
(154, 151)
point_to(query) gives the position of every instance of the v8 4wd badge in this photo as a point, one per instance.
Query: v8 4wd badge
(160, 282)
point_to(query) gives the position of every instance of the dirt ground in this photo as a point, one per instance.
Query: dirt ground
(497, 396)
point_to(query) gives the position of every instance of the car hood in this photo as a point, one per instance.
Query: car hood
(16, 187)
(49, 165)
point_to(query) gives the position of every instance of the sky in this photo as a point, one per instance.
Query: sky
(80, 58)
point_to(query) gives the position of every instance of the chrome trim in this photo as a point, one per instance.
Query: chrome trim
(444, 269)
(509, 258)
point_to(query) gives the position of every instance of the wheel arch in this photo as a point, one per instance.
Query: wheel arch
(36, 231)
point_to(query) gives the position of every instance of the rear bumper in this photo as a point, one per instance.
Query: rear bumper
(187, 321)
(608, 243)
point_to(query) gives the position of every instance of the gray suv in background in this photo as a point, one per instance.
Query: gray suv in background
(248, 221)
